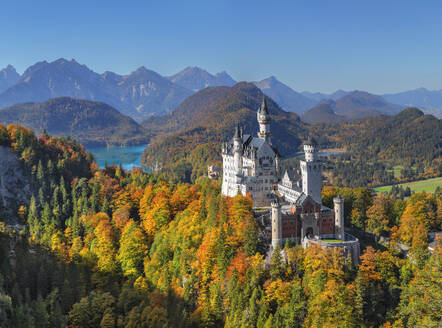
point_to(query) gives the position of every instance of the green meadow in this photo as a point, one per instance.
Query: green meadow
(428, 185)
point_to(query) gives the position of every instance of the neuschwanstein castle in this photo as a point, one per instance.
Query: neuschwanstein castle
(251, 165)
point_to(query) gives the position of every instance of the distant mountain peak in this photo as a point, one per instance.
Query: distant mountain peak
(195, 68)
(144, 73)
(8, 71)
(221, 73)
(141, 69)
(8, 77)
(9, 68)
(285, 96)
(63, 61)
(195, 78)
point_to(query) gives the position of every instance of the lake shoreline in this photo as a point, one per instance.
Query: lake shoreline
(129, 157)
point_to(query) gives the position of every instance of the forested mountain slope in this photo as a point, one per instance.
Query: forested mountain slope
(324, 112)
(91, 123)
(409, 140)
(379, 150)
(208, 118)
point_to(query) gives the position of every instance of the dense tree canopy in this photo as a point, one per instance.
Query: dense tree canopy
(110, 248)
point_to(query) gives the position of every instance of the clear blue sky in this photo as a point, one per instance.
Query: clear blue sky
(378, 46)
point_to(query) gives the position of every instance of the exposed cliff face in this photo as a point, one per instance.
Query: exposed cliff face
(15, 189)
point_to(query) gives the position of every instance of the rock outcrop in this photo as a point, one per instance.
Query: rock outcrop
(15, 189)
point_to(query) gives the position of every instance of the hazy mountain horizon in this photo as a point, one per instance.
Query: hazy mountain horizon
(144, 92)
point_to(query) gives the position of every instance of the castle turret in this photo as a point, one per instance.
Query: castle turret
(237, 151)
(339, 217)
(264, 121)
(311, 170)
(311, 150)
(276, 224)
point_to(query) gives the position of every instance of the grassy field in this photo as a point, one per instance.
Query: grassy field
(428, 185)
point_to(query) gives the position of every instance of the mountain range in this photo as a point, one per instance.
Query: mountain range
(422, 98)
(139, 94)
(144, 93)
(430, 101)
(319, 96)
(89, 122)
(353, 105)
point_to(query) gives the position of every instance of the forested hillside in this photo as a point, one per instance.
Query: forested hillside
(324, 112)
(89, 122)
(378, 150)
(408, 143)
(109, 248)
(190, 137)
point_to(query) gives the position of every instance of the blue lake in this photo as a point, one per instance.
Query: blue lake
(322, 154)
(128, 156)
(327, 154)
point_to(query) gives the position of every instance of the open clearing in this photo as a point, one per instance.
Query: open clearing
(428, 185)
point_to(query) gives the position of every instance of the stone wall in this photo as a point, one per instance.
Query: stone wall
(349, 246)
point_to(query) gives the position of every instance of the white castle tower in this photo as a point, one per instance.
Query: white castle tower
(276, 223)
(264, 122)
(311, 170)
(339, 217)
(237, 151)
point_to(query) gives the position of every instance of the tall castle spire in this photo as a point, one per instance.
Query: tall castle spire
(264, 121)
(237, 150)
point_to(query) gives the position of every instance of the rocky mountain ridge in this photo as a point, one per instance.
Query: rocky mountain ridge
(144, 93)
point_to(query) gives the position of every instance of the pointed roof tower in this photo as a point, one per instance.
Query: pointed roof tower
(264, 121)
(237, 134)
(263, 109)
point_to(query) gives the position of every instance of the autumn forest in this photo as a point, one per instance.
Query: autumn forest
(108, 248)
